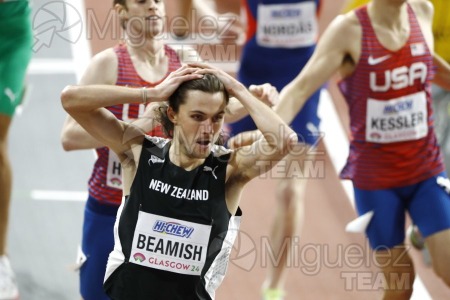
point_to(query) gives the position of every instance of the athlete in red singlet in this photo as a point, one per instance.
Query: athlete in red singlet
(391, 117)
(384, 52)
(105, 184)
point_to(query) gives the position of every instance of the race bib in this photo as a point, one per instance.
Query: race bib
(287, 25)
(396, 120)
(114, 171)
(170, 244)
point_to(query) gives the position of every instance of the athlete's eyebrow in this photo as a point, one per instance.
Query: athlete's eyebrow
(197, 112)
(203, 113)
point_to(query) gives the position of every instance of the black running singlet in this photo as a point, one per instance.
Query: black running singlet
(174, 232)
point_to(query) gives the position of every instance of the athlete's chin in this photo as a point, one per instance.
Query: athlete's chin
(201, 151)
(154, 31)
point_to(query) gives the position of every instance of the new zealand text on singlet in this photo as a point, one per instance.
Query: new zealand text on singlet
(177, 192)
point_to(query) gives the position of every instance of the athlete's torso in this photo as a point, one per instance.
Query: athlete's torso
(172, 227)
(281, 37)
(393, 142)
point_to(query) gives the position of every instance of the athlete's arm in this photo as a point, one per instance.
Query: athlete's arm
(86, 105)
(248, 162)
(101, 70)
(442, 76)
(425, 12)
(235, 110)
(278, 136)
(339, 43)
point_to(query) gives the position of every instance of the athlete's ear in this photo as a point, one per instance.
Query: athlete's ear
(172, 115)
(121, 11)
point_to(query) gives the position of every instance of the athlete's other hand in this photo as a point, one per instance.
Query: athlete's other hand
(266, 92)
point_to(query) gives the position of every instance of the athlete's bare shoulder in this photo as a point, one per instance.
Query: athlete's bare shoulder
(344, 34)
(106, 59)
(347, 25)
(422, 8)
(102, 68)
(424, 11)
(351, 21)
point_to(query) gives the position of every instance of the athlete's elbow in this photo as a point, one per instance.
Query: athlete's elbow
(67, 145)
(286, 140)
(66, 142)
(68, 98)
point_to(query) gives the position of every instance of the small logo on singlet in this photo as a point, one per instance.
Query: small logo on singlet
(209, 169)
(418, 49)
(173, 228)
(139, 257)
(10, 94)
(375, 61)
(155, 160)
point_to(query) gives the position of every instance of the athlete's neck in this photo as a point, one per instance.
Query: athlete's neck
(180, 158)
(389, 14)
(149, 49)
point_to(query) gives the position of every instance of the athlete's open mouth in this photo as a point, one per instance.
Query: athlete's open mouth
(204, 142)
(152, 17)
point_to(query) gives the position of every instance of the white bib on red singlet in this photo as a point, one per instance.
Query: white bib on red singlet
(114, 169)
(396, 120)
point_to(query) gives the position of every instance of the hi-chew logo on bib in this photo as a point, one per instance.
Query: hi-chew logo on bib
(169, 244)
(173, 228)
(396, 120)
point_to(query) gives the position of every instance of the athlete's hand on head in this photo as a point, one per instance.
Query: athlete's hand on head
(175, 78)
(230, 83)
(266, 92)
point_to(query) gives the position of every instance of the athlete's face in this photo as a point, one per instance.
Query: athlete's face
(198, 122)
(143, 17)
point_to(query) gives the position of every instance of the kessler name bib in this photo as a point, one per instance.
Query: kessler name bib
(396, 120)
